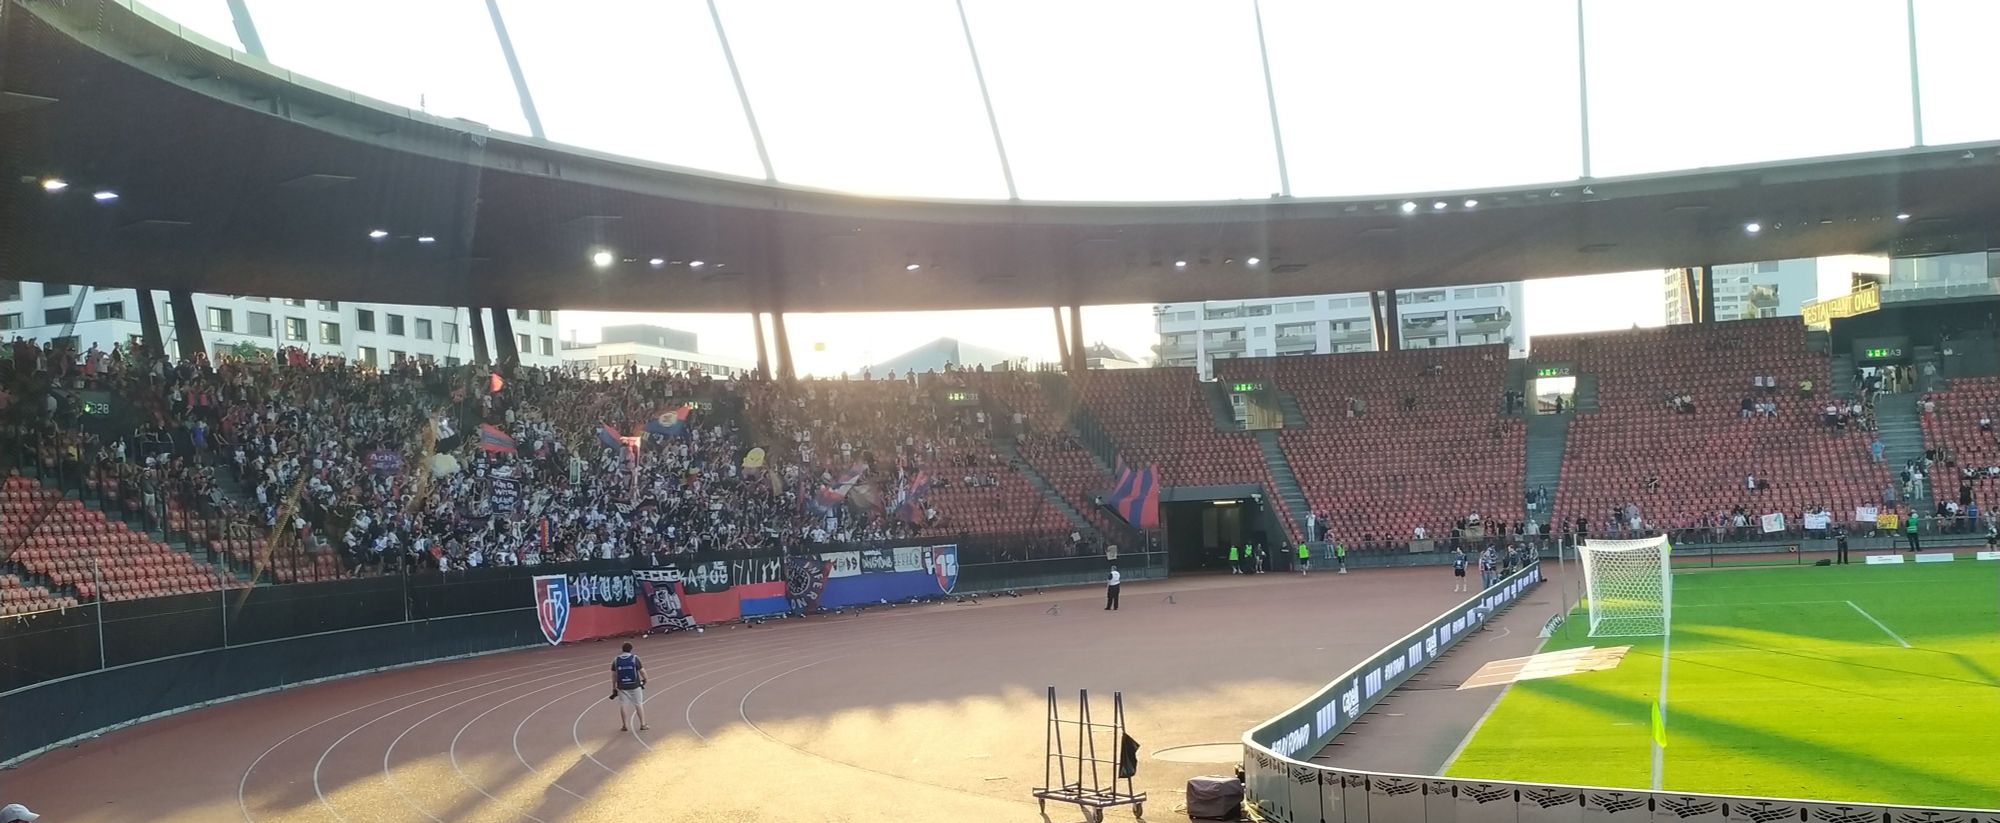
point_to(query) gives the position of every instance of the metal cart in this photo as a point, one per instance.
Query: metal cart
(1080, 776)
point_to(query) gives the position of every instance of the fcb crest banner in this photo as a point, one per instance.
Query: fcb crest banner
(552, 606)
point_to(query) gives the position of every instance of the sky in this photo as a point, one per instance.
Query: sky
(1161, 100)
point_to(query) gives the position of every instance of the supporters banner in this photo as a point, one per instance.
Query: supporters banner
(842, 564)
(1865, 514)
(1820, 521)
(506, 494)
(385, 461)
(1773, 522)
(596, 605)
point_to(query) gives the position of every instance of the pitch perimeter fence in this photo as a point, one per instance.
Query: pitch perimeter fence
(1280, 786)
(71, 673)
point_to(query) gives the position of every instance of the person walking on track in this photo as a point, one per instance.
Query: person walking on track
(628, 687)
(1340, 555)
(1305, 559)
(1111, 592)
(1235, 561)
(1458, 581)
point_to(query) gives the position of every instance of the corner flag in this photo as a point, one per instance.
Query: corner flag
(1659, 726)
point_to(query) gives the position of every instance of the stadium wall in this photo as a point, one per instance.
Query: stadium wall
(66, 675)
(1280, 786)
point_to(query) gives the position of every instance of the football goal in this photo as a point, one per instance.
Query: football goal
(1627, 585)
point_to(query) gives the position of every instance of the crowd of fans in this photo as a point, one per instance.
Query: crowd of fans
(420, 466)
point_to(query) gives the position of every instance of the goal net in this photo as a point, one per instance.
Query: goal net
(1627, 586)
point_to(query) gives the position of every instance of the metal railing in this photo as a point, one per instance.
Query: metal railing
(1280, 786)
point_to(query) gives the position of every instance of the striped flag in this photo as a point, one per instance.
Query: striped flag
(1136, 497)
(492, 439)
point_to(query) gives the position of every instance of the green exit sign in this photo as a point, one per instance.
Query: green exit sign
(956, 397)
(1553, 371)
(1247, 388)
(1881, 354)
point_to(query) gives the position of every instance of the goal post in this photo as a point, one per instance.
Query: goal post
(1627, 586)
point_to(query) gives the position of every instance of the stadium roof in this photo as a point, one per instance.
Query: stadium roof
(235, 176)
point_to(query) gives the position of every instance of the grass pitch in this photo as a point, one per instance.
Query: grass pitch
(1858, 683)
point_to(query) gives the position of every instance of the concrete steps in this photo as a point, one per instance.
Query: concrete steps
(1282, 477)
(1548, 437)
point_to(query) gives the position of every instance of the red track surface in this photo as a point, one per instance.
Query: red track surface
(919, 713)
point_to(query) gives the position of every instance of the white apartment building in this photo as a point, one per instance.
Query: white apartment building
(650, 347)
(1771, 288)
(376, 333)
(1198, 334)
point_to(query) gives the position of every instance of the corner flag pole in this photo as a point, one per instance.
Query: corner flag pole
(1666, 642)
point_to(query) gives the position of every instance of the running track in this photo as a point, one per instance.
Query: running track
(917, 713)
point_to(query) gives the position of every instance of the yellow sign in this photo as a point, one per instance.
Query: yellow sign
(1820, 314)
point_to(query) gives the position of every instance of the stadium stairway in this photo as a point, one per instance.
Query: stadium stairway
(1586, 392)
(1842, 366)
(1006, 448)
(1219, 407)
(1285, 482)
(1548, 435)
(1902, 436)
(1288, 405)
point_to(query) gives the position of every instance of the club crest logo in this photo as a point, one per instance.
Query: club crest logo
(944, 565)
(552, 606)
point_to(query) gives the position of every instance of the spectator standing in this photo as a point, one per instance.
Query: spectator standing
(1111, 591)
(1305, 559)
(1340, 556)
(1910, 531)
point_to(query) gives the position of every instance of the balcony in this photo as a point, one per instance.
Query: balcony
(1234, 346)
(1484, 323)
(1291, 343)
(1174, 350)
(1343, 336)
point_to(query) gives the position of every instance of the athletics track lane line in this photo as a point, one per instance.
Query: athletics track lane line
(242, 803)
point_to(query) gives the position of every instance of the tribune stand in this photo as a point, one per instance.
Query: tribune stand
(1079, 776)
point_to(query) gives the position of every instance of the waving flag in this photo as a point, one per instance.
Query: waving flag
(607, 436)
(1136, 498)
(910, 498)
(492, 439)
(670, 422)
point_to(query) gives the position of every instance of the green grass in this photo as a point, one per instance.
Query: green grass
(1778, 687)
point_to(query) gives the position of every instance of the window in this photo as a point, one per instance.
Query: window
(1260, 331)
(395, 324)
(329, 305)
(365, 355)
(55, 317)
(423, 329)
(109, 311)
(329, 333)
(523, 344)
(10, 321)
(364, 320)
(545, 317)
(521, 315)
(451, 362)
(397, 357)
(548, 347)
(256, 299)
(10, 289)
(1767, 266)
(451, 332)
(221, 319)
(295, 329)
(259, 323)
(55, 289)
(1284, 308)
(297, 304)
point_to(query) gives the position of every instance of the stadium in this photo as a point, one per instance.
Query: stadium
(1430, 411)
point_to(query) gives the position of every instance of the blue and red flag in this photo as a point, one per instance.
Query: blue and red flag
(492, 439)
(607, 436)
(910, 499)
(1136, 498)
(670, 422)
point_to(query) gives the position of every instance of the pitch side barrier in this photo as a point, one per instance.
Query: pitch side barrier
(1281, 787)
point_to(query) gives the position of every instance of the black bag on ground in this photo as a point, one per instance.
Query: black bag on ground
(1214, 797)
